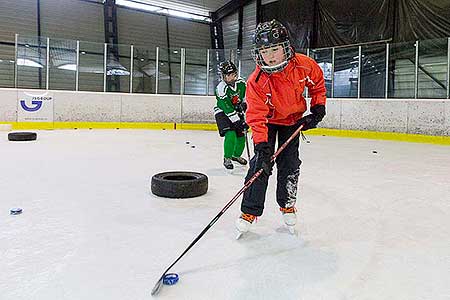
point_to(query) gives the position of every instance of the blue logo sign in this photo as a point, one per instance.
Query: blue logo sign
(36, 107)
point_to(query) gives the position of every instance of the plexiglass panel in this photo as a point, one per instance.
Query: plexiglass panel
(144, 70)
(91, 67)
(373, 71)
(324, 58)
(31, 62)
(195, 72)
(433, 68)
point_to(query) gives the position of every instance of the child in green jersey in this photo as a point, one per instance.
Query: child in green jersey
(229, 114)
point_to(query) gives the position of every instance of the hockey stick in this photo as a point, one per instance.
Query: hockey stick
(158, 284)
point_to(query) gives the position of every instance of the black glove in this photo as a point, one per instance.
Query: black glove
(310, 121)
(240, 125)
(241, 107)
(263, 155)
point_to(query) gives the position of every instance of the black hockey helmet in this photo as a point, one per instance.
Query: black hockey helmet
(268, 35)
(227, 68)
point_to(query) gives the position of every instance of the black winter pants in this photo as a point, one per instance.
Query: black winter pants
(288, 171)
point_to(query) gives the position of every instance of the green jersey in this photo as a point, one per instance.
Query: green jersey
(229, 97)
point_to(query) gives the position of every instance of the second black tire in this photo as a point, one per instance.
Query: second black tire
(22, 136)
(179, 184)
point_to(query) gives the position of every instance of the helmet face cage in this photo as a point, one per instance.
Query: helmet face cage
(288, 54)
(268, 35)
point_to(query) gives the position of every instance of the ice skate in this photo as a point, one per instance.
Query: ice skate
(240, 160)
(227, 163)
(243, 224)
(290, 218)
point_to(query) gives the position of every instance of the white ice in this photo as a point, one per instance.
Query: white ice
(371, 225)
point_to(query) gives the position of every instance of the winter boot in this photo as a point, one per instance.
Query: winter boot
(240, 160)
(289, 217)
(228, 164)
(243, 223)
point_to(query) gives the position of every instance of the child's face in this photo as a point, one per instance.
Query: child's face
(273, 56)
(230, 78)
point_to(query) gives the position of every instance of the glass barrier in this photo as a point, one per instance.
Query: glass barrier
(432, 69)
(118, 68)
(398, 70)
(144, 70)
(247, 63)
(373, 71)
(7, 65)
(324, 57)
(32, 62)
(62, 64)
(91, 67)
(346, 70)
(402, 59)
(195, 82)
(169, 76)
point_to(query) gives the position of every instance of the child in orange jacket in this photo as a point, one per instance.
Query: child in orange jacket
(275, 108)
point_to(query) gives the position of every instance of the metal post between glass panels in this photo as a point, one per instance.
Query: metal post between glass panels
(307, 90)
(416, 72)
(48, 65)
(15, 59)
(238, 55)
(182, 70)
(207, 72)
(105, 50)
(77, 70)
(157, 70)
(386, 88)
(131, 68)
(359, 70)
(448, 68)
(332, 72)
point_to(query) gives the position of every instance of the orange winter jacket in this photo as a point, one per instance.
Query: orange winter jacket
(277, 98)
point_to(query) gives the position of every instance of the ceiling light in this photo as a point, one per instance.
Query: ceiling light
(69, 67)
(28, 63)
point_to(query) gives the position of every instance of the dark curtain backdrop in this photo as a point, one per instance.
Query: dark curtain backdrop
(325, 23)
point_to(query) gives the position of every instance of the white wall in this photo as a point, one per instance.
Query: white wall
(421, 116)
(418, 116)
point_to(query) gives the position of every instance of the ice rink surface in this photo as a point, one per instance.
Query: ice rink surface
(371, 225)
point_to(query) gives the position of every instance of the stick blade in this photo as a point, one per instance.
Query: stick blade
(157, 287)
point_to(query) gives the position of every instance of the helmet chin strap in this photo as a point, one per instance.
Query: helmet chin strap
(275, 68)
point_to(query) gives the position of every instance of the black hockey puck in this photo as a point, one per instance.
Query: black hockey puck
(308, 142)
(192, 146)
(15, 211)
(374, 151)
(170, 279)
(187, 142)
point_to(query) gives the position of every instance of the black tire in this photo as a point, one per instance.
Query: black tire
(179, 184)
(22, 136)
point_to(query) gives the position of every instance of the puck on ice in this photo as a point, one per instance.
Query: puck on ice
(170, 279)
(188, 142)
(192, 146)
(374, 151)
(15, 211)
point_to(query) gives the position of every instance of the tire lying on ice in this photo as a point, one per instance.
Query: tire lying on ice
(179, 184)
(22, 136)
